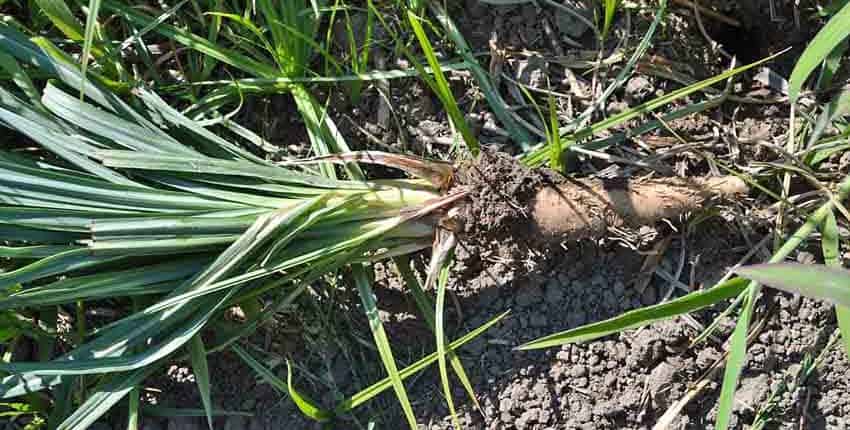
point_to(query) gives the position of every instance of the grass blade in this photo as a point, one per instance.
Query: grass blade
(282, 83)
(169, 344)
(831, 64)
(830, 239)
(842, 313)
(91, 24)
(367, 298)
(641, 317)
(124, 133)
(66, 261)
(441, 86)
(149, 279)
(200, 368)
(540, 155)
(162, 411)
(738, 345)
(107, 395)
(62, 17)
(216, 166)
(306, 405)
(426, 307)
(137, 35)
(20, 78)
(737, 357)
(811, 280)
(610, 7)
(378, 387)
(554, 134)
(482, 78)
(626, 72)
(445, 270)
(133, 409)
(324, 137)
(827, 39)
(195, 42)
(258, 367)
(39, 127)
(837, 108)
(42, 54)
(212, 140)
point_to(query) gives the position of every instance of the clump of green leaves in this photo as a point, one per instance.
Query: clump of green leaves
(138, 204)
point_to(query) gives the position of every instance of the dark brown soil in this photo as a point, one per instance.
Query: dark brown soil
(501, 191)
(623, 381)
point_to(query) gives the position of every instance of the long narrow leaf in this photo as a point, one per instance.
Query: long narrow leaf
(832, 34)
(373, 390)
(190, 40)
(132, 160)
(367, 298)
(198, 354)
(821, 282)
(91, 24)
(439, 332)
(482, 78)
(50, 60)
(441, 86)
(62, 17)
(149, 279)
(306, 405)
(426, 306)
(643, 316)
(830, 243)
(20, 77)
(106, 396)
(539, 156)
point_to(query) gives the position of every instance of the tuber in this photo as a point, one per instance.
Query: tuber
(577, 209)
(507, 199)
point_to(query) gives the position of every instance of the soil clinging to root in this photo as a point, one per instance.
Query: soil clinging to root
(540, 207)
(500, 191)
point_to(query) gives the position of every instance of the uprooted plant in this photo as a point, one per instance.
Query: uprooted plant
(136, 202)
(128, 200)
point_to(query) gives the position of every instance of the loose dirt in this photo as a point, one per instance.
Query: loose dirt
(501, 191)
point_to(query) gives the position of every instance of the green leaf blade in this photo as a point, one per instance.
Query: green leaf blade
(198, 355)
(88, 40)
(439, 332)
(830, 243)
(640, 317)
(367, 297)
(737, 358)
(815, 281)
(829, 37)
(373, 390)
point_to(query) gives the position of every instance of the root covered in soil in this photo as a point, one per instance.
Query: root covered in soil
(539, 206)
